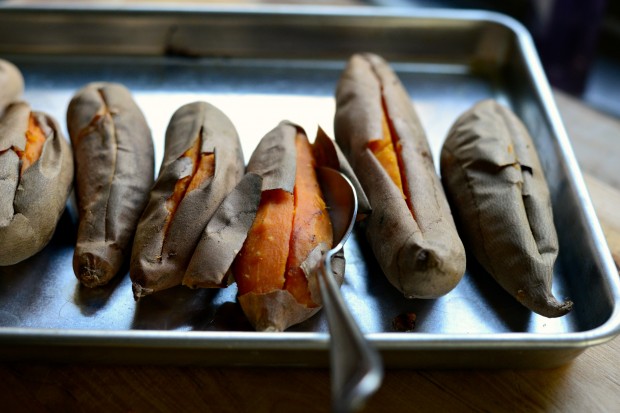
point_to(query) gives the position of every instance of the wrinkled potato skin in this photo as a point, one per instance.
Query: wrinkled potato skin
(114, 163)
(495, 183)
(272, 166)
(159, 263)
(11, 84)
(419, 251)
(31, 205)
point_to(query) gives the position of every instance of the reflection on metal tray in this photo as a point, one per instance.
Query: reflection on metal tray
(260, 67)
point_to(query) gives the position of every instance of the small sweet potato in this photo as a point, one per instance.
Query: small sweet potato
(36, 173)
(270, 233)
(114, 162)
(202, 163)
(411, 229)
(496, 185)
(11, 84)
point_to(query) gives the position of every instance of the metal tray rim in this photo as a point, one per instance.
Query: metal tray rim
(314, 340)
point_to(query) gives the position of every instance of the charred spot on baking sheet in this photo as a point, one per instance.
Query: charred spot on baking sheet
(404, 322)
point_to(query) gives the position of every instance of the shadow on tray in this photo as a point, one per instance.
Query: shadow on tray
(514, 316)
(92, 300)
(29, 282)
(181, 308)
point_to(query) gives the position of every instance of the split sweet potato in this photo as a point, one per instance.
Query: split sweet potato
(114, 163)
(36, 173)
(11, 84)
(496, 185)
(202, 163)
(411, 229)
(269, 234)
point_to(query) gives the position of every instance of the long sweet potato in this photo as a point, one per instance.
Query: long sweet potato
(114, 162)
(411, 229)
(202, 163)
(36, 173)
(495, 183)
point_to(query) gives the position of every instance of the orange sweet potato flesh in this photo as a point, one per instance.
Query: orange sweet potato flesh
(387, 151)
(35, 138)
(311, 223)
(261, 263)
(205, 170)
(286, 229)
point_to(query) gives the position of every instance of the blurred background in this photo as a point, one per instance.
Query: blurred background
(578, 40)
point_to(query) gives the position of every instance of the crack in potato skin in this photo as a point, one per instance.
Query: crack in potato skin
(388, 149)
(35, 139)
(37, 176)
(203, 168)
(311, 223)
(159, 260)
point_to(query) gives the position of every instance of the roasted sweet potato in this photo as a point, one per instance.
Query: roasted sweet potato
(36, 173)
(202, 163)
(114, 162)
(11, 84)
(411, 229)
(496, 185)
(270, 233)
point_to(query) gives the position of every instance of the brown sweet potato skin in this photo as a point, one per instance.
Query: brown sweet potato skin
(114, 163)
(159, 259)
(271, 167)
(496, 185)
(11, 84)
(31, 203)
(419, 250)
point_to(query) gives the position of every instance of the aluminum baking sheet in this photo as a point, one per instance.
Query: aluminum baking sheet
(261, 66)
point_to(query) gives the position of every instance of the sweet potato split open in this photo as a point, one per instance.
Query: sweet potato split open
(387, 150)
(286, 229)
(94, 124)
(35, 138)
(311, 223)
(203, 167)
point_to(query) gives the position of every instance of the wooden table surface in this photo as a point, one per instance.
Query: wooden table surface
(589, 384)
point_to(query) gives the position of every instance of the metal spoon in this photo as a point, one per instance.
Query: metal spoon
(356, 367)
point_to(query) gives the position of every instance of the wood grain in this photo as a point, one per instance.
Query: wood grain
(595, 138)
(606, 201)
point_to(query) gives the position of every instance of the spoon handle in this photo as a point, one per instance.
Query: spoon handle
(356, 367)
